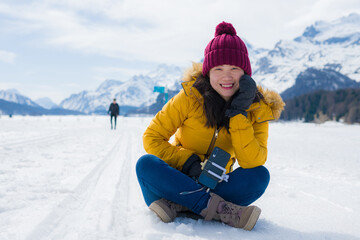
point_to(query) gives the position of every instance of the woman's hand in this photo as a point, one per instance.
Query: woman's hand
(192, 166)
(243, 98)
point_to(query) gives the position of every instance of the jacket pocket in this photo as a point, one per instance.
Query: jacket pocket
(263, 113)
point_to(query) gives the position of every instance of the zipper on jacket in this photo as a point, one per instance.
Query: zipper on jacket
(211, 146)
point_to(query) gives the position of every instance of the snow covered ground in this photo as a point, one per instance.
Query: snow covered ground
(73, 178)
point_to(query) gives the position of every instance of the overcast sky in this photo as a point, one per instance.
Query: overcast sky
(54, 48)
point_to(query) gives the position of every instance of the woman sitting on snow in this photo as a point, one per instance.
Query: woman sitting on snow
(219, 106)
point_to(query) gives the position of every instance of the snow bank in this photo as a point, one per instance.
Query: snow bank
(73, 178)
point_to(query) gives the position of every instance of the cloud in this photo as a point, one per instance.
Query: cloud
(118, 29)
(8, 85)
(325, 10)
(7, 57)
(115, 72)
(162, 31)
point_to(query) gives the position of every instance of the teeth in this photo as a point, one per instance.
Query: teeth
(226, 85)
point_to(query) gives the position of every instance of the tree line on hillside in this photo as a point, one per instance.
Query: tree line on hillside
(320, 106)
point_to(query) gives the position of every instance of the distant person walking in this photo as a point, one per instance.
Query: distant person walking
(113, 111)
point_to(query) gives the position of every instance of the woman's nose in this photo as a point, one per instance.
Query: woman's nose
(227, 75)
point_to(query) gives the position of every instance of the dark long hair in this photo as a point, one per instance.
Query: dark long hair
(214, 105)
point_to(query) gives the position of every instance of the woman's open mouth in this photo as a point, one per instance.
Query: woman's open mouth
(227, 86)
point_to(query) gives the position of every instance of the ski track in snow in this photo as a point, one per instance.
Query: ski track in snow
(305, 200)
(100, 202)
(91, 194)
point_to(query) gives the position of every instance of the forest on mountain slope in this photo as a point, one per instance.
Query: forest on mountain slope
(320, 106)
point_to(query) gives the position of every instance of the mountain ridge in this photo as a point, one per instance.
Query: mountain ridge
(137, 92)
(279, 67)
(12, 108)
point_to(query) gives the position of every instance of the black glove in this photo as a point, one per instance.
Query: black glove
(243, 98)
(192, 166)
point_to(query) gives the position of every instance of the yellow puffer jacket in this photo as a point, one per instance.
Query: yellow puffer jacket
(183, 116)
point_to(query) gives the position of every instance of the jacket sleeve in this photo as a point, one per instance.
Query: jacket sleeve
(249, 141)
(163, 126)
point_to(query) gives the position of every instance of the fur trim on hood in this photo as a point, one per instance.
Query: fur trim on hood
(272, 98)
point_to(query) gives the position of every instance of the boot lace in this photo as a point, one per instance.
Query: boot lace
(230, 214)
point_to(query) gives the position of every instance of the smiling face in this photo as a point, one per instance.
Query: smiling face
(224, 79)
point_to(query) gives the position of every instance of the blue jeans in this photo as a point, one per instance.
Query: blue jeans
(158, 180)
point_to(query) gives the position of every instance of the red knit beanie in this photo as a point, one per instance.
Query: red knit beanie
(226, 48)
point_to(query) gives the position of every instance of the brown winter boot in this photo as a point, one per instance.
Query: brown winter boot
(231, 214)
(166, 210)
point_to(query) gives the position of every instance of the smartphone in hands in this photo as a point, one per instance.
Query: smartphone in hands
(214, 169)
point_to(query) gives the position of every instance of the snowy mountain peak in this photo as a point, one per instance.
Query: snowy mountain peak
(135, 92)
(340, 31)
(167, 75)
(12, 95)
(13, 91)
(353, 18)
(108, 84)
(46, 103)
(310, 32)
(323, 45)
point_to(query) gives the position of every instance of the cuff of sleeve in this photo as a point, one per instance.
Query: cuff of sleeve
(233, 112)
(186, 167)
